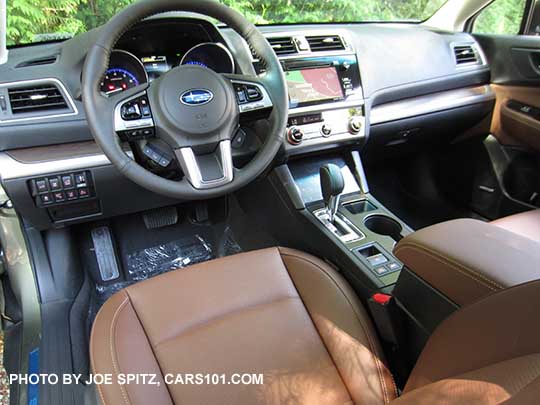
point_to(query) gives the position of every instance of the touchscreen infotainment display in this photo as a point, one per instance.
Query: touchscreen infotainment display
(313, 85)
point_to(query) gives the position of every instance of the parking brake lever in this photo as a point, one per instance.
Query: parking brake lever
(332, 185)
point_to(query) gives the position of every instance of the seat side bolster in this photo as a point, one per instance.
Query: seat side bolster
(344, 327)
(497, 328)
(118, 335)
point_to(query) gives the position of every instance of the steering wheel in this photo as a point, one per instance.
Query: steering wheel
(193, 109)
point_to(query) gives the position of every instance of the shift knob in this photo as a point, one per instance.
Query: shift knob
(332, 185)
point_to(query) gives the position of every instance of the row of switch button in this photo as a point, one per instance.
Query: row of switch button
(62, 188)
(136, 109)
(389, 268)
(60, 182)
(137, 134)
(61, 196)
(156, 155)
(247, 93)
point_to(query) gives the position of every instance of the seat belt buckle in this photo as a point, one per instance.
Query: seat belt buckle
(382, 307)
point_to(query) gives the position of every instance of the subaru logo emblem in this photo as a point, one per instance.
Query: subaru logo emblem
(196, 97)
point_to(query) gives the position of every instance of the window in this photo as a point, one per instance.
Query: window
(500, 17)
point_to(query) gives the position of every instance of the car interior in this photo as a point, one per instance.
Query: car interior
(349, 209)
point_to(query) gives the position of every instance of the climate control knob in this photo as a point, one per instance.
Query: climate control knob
(355, 125)
(295, 135)
(326, 130)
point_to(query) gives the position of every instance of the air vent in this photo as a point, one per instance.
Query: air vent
(321, 43)
(37, 98)
(45, 60)
(465, 54)
(283, 45)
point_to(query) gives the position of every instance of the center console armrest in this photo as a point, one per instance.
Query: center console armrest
(467, 259)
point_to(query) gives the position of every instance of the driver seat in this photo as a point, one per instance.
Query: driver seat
(293, 318)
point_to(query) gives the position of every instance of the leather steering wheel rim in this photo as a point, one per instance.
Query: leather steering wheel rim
(97, 106)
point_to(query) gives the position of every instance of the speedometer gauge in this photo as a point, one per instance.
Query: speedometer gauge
(125, 72)
(211, 55)
(118, 79)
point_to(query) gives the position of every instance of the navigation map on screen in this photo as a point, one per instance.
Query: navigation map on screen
(313, 85)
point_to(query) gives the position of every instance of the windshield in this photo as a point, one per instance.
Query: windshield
(46, 20)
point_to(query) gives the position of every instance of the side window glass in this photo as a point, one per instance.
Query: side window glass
(500, 17)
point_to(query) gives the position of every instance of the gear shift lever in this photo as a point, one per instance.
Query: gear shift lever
(332, 185)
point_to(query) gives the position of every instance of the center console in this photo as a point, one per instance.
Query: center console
(349, 222)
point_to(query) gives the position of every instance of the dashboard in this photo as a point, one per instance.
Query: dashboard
(362, 90)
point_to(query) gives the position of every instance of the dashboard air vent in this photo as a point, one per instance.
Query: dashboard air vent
(283, 45)
(465, 54)
(37, 98)
(325, 43)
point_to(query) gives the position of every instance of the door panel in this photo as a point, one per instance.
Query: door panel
(514, 149)
(516, 117)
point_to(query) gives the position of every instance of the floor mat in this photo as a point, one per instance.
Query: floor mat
(155, 260)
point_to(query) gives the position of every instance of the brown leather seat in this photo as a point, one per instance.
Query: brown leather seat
(291, 317)
(526, 224)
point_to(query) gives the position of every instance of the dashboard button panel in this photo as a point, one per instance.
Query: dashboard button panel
(62, 189)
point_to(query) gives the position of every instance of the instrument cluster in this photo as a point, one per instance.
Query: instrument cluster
(127, 70)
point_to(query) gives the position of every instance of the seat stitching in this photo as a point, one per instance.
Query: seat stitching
(207, 322)
(376, 360)
(112, 337)
(149, 343)
(465, 270)
(98, 385)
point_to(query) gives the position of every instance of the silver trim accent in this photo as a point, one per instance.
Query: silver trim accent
(326, 106)
(123, 125)
(188, 161)
(11, 168)
(333, 205)
(219, 45)
(352, 233)
(266, 101)
(63, 90)
(431, 103)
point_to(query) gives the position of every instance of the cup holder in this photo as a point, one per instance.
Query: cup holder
(383, 225)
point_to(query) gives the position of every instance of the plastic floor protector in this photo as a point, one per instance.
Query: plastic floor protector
(178, 254)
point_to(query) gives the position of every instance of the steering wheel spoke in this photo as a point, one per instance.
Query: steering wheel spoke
(208, 170)
(251, 93)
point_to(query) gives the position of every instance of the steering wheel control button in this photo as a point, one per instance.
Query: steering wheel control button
(239, 139)
(156, 156)
(131, 111)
